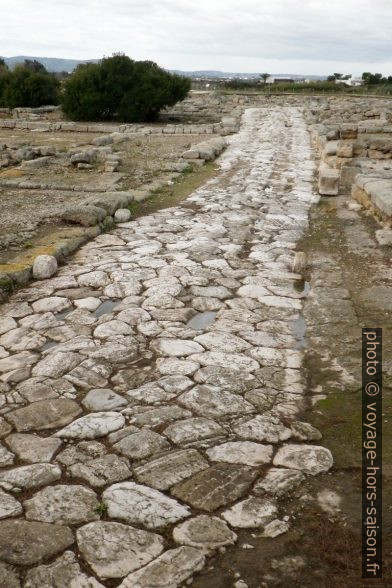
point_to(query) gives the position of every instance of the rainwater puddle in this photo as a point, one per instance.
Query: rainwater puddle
(61, 315)
(202, 320)
(105, 307)
(48, 345)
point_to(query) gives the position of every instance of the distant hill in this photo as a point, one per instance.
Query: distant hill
(56, 64)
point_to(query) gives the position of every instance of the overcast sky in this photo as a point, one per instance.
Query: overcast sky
(276, 36)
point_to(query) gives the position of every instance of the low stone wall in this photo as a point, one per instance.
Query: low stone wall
(375, 193)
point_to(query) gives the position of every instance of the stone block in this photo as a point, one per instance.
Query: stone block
(329, 182)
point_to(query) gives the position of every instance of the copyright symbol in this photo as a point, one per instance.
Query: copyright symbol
(372, 389)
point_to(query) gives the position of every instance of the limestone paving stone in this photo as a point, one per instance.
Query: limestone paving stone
(101, 471)
(251, 513)
(140, 505)
(56, 364)
(51, 304)
(226, 342)
(9, 506)
(204, 532)
(241, 452)
(27, 543)
(30, 476)
(225, 360)
(18, 361)
(114, 550)
(81, 453)
(159, 416)
(176, 347)
(6, 457)
(169, 570)
(8, 576)
(32, 448)
(310, 459)
(208, 401)
(63, 504)
(141, 444)
(7, 324)
(164, 472)
(216, 486)
(93, 425)
(22, 340)
(101, 399)
(279, 481)
(63, 572)
(231, 380)
(44, 415)
(193, 430)
(90, 374)
(263, 428)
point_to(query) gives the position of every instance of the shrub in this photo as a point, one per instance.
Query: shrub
(118, 88)
(27, 85)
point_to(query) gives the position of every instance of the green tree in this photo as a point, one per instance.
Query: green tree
(264, 77)
(118, 88)
(373, 79)
(34, 66)
(24, 86)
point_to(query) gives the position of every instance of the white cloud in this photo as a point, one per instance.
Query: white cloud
(307, 36)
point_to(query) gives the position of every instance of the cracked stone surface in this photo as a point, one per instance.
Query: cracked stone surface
(205, 532)
(141, 505)
(113, 550)
(119, 401)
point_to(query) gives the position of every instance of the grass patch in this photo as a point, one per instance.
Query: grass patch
(173, 194)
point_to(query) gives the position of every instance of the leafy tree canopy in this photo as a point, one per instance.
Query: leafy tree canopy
(28, 85)
(118, 88)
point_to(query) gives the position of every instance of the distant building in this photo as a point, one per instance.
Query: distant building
(278, 80)
(352, 81)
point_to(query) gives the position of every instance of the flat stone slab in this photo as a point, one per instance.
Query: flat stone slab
(30, 476)
(141, 445)
(221, 341)
(310, 459)
(209, 401)
(168, 571)
(172, 366)
(27, 543)
(63, 504)
(279, 482)
(176, 347)
(216, 486)
(225, 360)
(92, 426)
(9, 506)
(251, 513)
(229, 379)
(8, 576)
(32, 448)
(113, 550)
(6, 457)
(204, 532)
(263, 428)
(193, 430)
(102, 471)
(164, 472)
(159, 416)
(44, 415)
(103, 399)
(56, 364)
(144, 506)
(63, 572)
(241, 452)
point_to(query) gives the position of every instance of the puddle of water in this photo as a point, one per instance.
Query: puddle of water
(301, 286)
(105, 307)
(60, 315)
(48, 345)
(202, 320)
(299, 328)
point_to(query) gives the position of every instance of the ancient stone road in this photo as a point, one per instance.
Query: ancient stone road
(152, 390)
